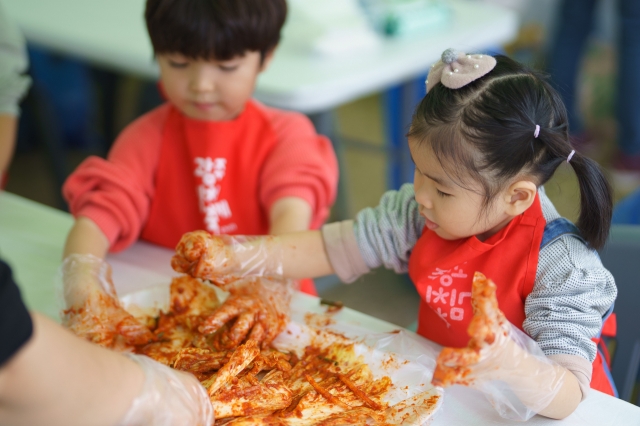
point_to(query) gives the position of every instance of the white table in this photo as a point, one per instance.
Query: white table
(31, 240)
(112, 33)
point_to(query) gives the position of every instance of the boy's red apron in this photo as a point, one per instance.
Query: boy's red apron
(442, 270)
(221, 162)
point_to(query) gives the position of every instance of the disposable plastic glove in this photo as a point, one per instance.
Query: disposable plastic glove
(250, 269)
(500, 360)
(256, 309)
(92, 307)
(168, 398)
(222, 259)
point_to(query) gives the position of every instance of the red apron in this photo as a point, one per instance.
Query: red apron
(442, 270)
(210, 178)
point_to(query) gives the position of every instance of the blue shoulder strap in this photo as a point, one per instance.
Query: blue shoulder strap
(556, 229)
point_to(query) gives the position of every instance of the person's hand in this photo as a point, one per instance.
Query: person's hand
(257, 309)
(168, 398)
(489, 333)
(500, 360)
(92, 307)
(223, 259)
(205, 256)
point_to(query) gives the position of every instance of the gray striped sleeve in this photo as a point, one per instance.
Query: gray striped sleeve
(572, 292)
(387, 233)
(13, 65)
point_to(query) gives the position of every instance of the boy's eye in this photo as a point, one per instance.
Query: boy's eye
(228, 68)
(178, 64)
(443, 194)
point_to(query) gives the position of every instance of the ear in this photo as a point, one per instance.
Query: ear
(266, 61)
(519, 196)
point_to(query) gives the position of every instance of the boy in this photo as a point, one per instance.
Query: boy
(211, 157)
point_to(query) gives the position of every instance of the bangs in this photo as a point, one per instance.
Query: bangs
(214, 29)
(459, 160)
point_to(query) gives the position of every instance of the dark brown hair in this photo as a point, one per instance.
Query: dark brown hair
(485, 131)
(214, 29)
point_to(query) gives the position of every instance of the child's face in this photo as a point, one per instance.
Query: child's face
(210, 90)
(451, 211)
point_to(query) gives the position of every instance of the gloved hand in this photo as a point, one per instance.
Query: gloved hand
(92, 307)
(260, 308)
(500, 360)
(222, 259)
(251, 270)
(168, 398)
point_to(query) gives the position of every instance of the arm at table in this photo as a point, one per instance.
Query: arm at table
(212, 257)
(521, 376)
(59, 379)
(304, 255)
(86, 237)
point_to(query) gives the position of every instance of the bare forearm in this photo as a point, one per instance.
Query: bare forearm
(304, 255)
(86, 237)
(59, 379)
(566, 400)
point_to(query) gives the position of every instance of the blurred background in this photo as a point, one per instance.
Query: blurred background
(80, 101)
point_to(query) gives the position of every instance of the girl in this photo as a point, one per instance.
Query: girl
(485, 138)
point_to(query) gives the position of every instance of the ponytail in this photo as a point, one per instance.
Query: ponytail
(596, 201)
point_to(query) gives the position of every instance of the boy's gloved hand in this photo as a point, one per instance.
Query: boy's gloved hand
(168, 398)
(500, 360)
(222, 258)
(260, 308)
(92, 307)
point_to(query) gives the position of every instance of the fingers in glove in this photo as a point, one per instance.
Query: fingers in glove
(258, 334)
(202, 255)
(241, 328)
(133, 332)
(452, 366)
(230, 309)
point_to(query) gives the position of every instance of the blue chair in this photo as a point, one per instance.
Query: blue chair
(621, 255)
(627, 211)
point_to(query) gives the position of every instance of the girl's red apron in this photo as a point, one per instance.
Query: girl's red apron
(210, 178)
(442, 270)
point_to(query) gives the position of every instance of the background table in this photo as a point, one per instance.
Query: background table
(31, 241)
(112, 34)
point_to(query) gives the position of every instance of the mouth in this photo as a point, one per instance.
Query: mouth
(204, 106)
(430, 224)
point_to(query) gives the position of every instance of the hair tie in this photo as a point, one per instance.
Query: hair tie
(573, 151)
(537, 131)
(456, 69)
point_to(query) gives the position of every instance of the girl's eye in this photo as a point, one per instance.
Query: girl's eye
(178, 64)
(228, 68)
(443, 194)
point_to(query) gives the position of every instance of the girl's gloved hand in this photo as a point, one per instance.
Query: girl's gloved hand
(500, 360)
(222, 259)
(92, 309)
(168, 398)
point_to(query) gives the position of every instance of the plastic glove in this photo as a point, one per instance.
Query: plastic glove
(256, 309)
(222, 259)
(500, 360)
(168, 398)
(92, 307)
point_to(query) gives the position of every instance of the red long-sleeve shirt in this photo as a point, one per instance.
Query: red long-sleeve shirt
(150, 186)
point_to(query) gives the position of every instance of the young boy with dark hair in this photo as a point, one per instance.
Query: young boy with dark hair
(211, 157)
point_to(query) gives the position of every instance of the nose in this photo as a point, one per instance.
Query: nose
(421, 192)
(202, 79)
